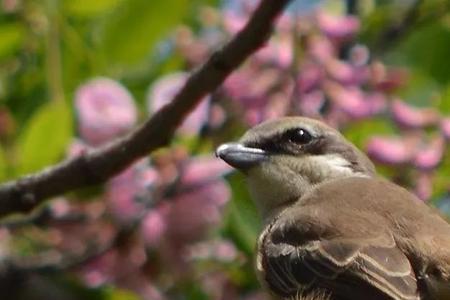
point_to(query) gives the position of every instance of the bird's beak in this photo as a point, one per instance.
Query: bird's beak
(240, 156)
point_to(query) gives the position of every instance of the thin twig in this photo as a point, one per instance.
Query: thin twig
(96, 166)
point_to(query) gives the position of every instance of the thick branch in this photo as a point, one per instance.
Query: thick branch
(98, 165)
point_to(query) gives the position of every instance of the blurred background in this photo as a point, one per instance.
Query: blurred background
(75, 74)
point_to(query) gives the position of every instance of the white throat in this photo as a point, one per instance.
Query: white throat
(285, 179)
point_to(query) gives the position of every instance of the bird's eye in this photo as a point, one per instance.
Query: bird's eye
(299, 136)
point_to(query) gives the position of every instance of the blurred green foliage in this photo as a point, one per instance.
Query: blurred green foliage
(48, 48)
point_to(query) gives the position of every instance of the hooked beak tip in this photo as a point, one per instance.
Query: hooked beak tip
(240, 156)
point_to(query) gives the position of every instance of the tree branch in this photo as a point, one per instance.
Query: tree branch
(98, 165)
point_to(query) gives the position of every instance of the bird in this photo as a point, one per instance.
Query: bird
(333, 229)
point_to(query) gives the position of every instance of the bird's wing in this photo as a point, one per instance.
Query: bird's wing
(349, 269)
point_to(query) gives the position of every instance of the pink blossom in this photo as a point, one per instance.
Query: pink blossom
(122, 267)
(445, 127)
(105, 110)
(154, 226)
(217, 116)
(77, 147)
(98, 272)
(390, 150)
(233, 22)
(354, 102)
(196, 210)
(430, 154)
(10, 6)
(123, 191)
(346, 73)
(60, 207)
(250, 89)
(337, 27)
(220, 250)
(203, 169)
(194, 207)
(321, 48)
(387, 79)
(193, 49)
(413, 117)
(5, 242)
(285, 24)
(164, 90)
(188, 215)
(310, 77)
(277, 51)
(424, 186)
(277, 106)
(249, 86)
(311, 103)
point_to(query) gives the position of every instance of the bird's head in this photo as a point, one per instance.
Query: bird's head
(285, 158)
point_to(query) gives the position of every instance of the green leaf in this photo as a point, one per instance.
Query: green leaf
(89, 8)
(444, 102)
(243, 223)
(11, 37)
(441, 176)
(420, 89)
(45, 138)
(360, 131)
(426, 49)
(131, 33)
(119, 294)
(3, 165)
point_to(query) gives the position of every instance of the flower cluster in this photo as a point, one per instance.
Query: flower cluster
(155, 228)
(310, 67)
(313, 67)
(173, 198)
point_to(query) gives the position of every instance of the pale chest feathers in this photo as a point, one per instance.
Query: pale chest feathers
(272, 185)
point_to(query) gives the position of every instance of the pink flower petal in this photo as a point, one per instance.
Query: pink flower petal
(77, 147)
(413, 117)
(340, 71)
(309, 78)
(124, 190)
(154, 226)
(233, 22)
(430, 154)
(196, 210)
(311, 103)
(162, 92)
(321, 49)
(105, 110)
(390, 150)
(387, 79)
(340, 27)
(445, 128)
(277, 51)
(354, 102)
(221, 250)
(424, 186)
(204, 169)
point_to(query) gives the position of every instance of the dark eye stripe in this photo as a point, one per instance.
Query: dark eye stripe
(287, 142)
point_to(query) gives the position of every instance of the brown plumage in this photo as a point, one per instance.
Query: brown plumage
(333, 229)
